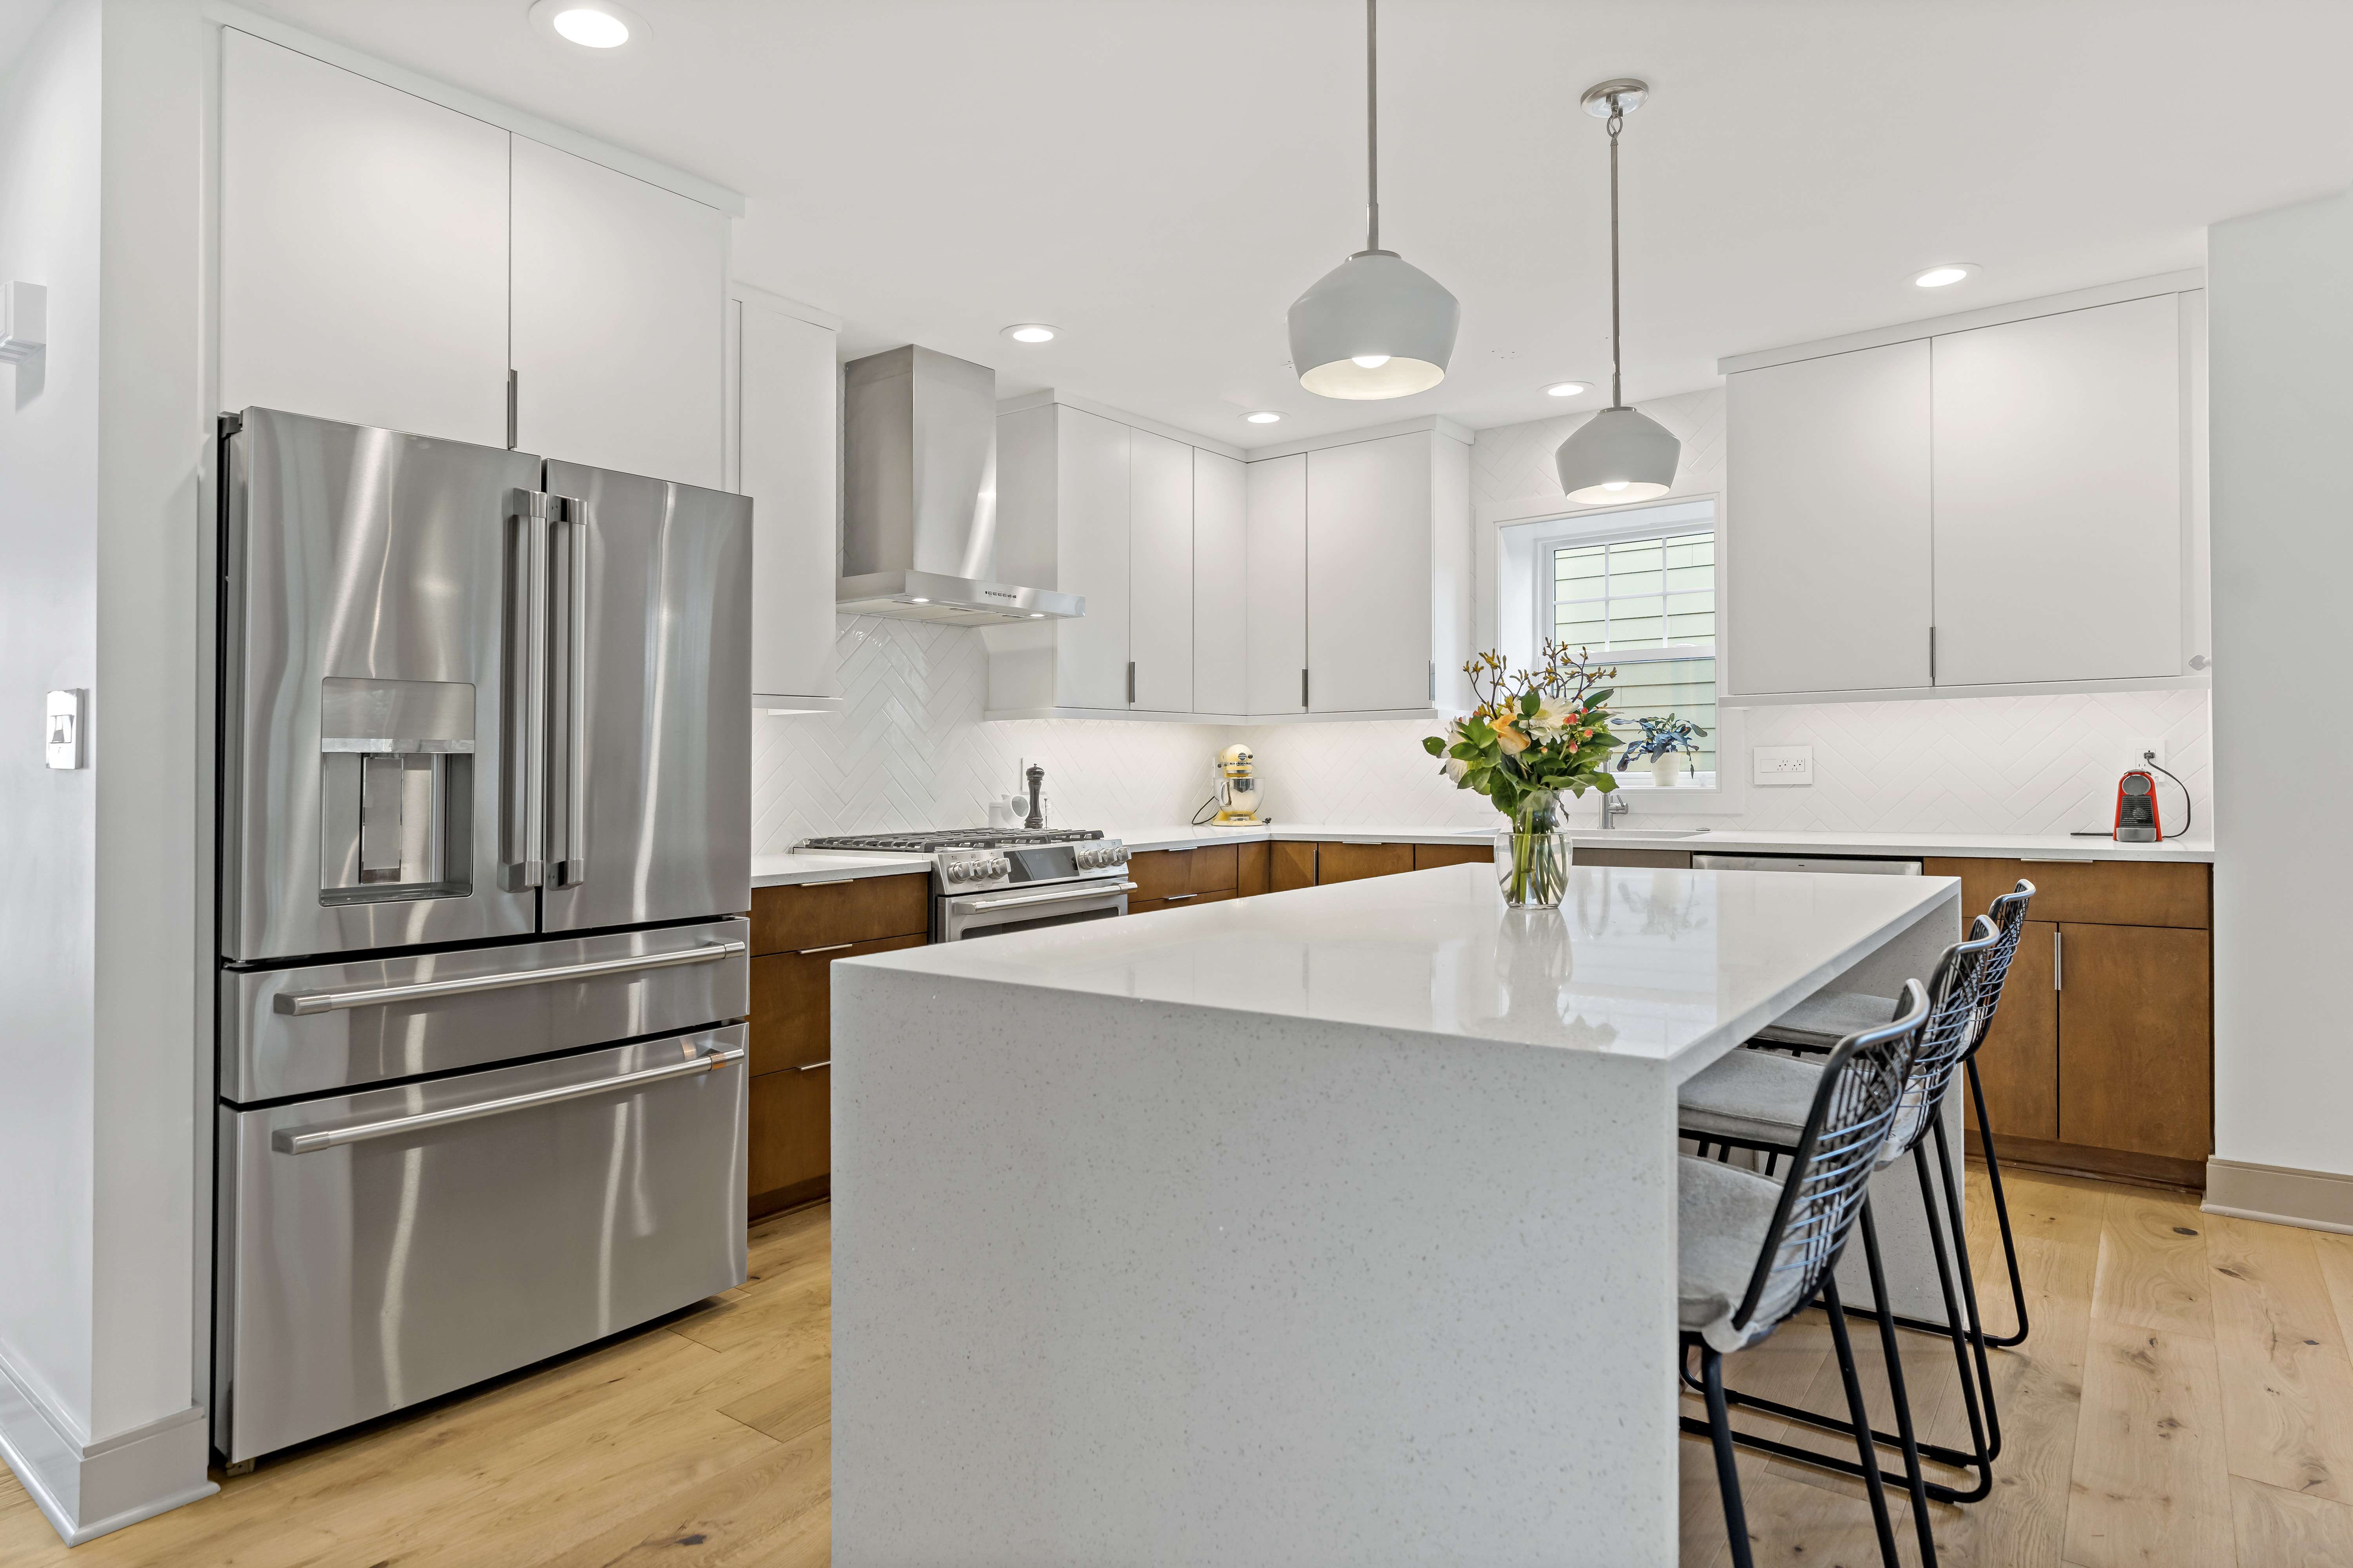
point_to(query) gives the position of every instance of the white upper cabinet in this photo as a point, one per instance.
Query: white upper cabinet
(786, 441)
(1160, 574)
(1096, 488)
(619, 315)
(1827, 571)
(2059, 486)
(362, 250)
(1220, 585)
(1276, 489)
(2006, 500)
(1368, 575)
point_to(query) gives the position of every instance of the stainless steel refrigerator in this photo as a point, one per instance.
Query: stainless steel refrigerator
(484, 849)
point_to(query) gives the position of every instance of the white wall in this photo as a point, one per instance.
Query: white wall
(2280, 340)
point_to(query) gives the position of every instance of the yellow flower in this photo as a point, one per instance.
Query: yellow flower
(1511, 739)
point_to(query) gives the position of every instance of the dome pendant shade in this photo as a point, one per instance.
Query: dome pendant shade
(1619, 454)
(1373, 306)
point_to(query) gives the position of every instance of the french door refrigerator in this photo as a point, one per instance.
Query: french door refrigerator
(484, 849)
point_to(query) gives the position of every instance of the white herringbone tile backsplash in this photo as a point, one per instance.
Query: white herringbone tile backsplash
(912, 751)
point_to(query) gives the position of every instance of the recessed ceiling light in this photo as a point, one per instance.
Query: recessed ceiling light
(590, 23)
(918, 601)
(1566, 389)
(1945, 276)
(1032, 332)
(1263, 416)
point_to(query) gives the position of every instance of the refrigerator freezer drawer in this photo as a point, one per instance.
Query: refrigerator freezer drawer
(382, 1248)
(342, 1026)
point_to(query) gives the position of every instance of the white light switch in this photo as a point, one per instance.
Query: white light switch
(61, 730)
(1782, 764)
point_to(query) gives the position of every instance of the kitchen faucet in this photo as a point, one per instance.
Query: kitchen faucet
(1612, 808)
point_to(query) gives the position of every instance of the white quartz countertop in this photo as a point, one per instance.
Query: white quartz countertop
(1652, 964)
(1715, 840)
(814, 865)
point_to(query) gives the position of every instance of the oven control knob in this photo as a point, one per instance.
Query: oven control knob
(998, 866)
(1089, 860)
(954, 870)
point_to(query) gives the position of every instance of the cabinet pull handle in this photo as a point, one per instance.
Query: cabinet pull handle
(2058, 962)
(837, 947)
(812, 1066)
(833, 882)
(514, 400)
(1178, 897)
(1303, 688)
(1932, 656)
(1433, 680)
(1131, 681)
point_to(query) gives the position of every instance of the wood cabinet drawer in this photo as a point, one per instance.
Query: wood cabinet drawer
(1180, 902)
(791, 1003)
(1255, 868)
(821, 914)
(1426, 856)
(2097, 892)
(1338, 862)
(1158, 873)
(790, 1153)
(1216, 869)
(1293, 866)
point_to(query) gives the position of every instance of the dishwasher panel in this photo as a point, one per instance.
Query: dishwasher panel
(381, 1249)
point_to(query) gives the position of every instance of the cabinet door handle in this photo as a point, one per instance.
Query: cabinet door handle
(1178, 897)
(1303, 688)
(1932, 656)
(2058, 962)
(1131, 681)
(812, 1066)
(837, 947)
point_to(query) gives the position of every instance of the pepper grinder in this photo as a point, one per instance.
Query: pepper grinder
(1036, 817)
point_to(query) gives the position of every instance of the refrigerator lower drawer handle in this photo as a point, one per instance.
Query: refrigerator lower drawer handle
(302, 1003)
(288, 1140)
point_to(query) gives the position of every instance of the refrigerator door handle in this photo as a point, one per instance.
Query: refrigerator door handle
(571, 867)
(301, 1003)
(289, 1141)
(524, 788)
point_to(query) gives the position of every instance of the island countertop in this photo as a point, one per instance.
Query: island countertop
(1667, 965)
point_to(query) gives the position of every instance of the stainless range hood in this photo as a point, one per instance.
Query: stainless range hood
(919, 524)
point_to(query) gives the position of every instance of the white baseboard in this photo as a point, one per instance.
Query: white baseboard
(87, 1490)
(2280, 1194)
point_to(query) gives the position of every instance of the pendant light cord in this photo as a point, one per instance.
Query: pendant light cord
(1372, 125)
(1616, 388)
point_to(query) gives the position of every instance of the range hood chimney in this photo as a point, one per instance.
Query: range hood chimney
(919, 525)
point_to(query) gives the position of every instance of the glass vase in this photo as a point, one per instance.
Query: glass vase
(1532, 856)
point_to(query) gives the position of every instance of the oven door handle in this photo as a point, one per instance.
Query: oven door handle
(1093, 890)
(290, 1140)
(299, 1002)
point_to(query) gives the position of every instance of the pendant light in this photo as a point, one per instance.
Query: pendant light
(1619, 454)
(1373, 326)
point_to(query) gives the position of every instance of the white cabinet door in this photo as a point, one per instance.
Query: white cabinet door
(1160, 573)
(785, 408)
(1220, 594)
(1827, 536)
(362, 250)
(2059, 497)
(1092, 499)
(620, 306)
(1369, 575)
(1277, 502)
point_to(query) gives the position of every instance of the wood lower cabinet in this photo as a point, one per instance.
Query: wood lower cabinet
(1354, 862)
(2019, 1063)
(1179, 901)
(1293, 867)
(1427, 855)
(797, 933)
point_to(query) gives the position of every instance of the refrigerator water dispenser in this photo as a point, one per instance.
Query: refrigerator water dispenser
(395, 789)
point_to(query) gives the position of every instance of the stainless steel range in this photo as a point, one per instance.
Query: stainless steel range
(987, 881)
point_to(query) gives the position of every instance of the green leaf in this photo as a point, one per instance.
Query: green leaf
(1434, 745)
(1605, 783)
(1529, 704)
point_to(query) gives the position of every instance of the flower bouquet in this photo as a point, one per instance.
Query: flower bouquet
(1533, 733)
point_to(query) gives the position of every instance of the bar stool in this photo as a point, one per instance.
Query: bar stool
(1820, 1021)
(1753, 1252)
(1757, 1099)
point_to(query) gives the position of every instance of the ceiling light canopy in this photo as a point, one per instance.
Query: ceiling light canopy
(1566, 389)
(1946, 275)
(1263, 416)
(590, 23)
(1373, 326)
(1621, 454)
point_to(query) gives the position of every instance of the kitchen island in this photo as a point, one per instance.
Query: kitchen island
(1336, 1226)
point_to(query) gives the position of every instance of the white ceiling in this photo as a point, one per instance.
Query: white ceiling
(1161, 177)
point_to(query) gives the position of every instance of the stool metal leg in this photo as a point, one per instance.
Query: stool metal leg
(2000, 1211)
(1922, 1525)
(1727, 1472)
(1862, 1417)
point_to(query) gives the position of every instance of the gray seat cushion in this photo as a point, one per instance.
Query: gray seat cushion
(1754, 1095)
(1828, 1017)
(1723, 1212)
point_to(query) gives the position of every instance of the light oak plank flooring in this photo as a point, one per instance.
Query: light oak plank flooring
(2186, 1399)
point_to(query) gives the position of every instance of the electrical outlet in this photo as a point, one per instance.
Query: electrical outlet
(2136, 745)
(1782, 764)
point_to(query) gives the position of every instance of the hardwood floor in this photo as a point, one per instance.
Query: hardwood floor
(2186, 1399)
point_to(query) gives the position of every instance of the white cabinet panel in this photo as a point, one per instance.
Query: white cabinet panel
(2059, 497)
(1277, 502)
(362, 250)
(618, 312)
(1369, 575)
(1828, 554)
(1160, 573)
(1220, 592)
(786, 412)
(1092, 499)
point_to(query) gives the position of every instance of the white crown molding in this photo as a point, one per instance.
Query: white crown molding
(1965, 320)
(489, 110)
(1045, 395)
(752, 294)
(1436, 423)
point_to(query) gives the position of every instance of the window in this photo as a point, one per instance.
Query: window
(1638, 591)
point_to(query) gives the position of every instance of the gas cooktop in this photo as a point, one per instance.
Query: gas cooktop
(931, 842)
